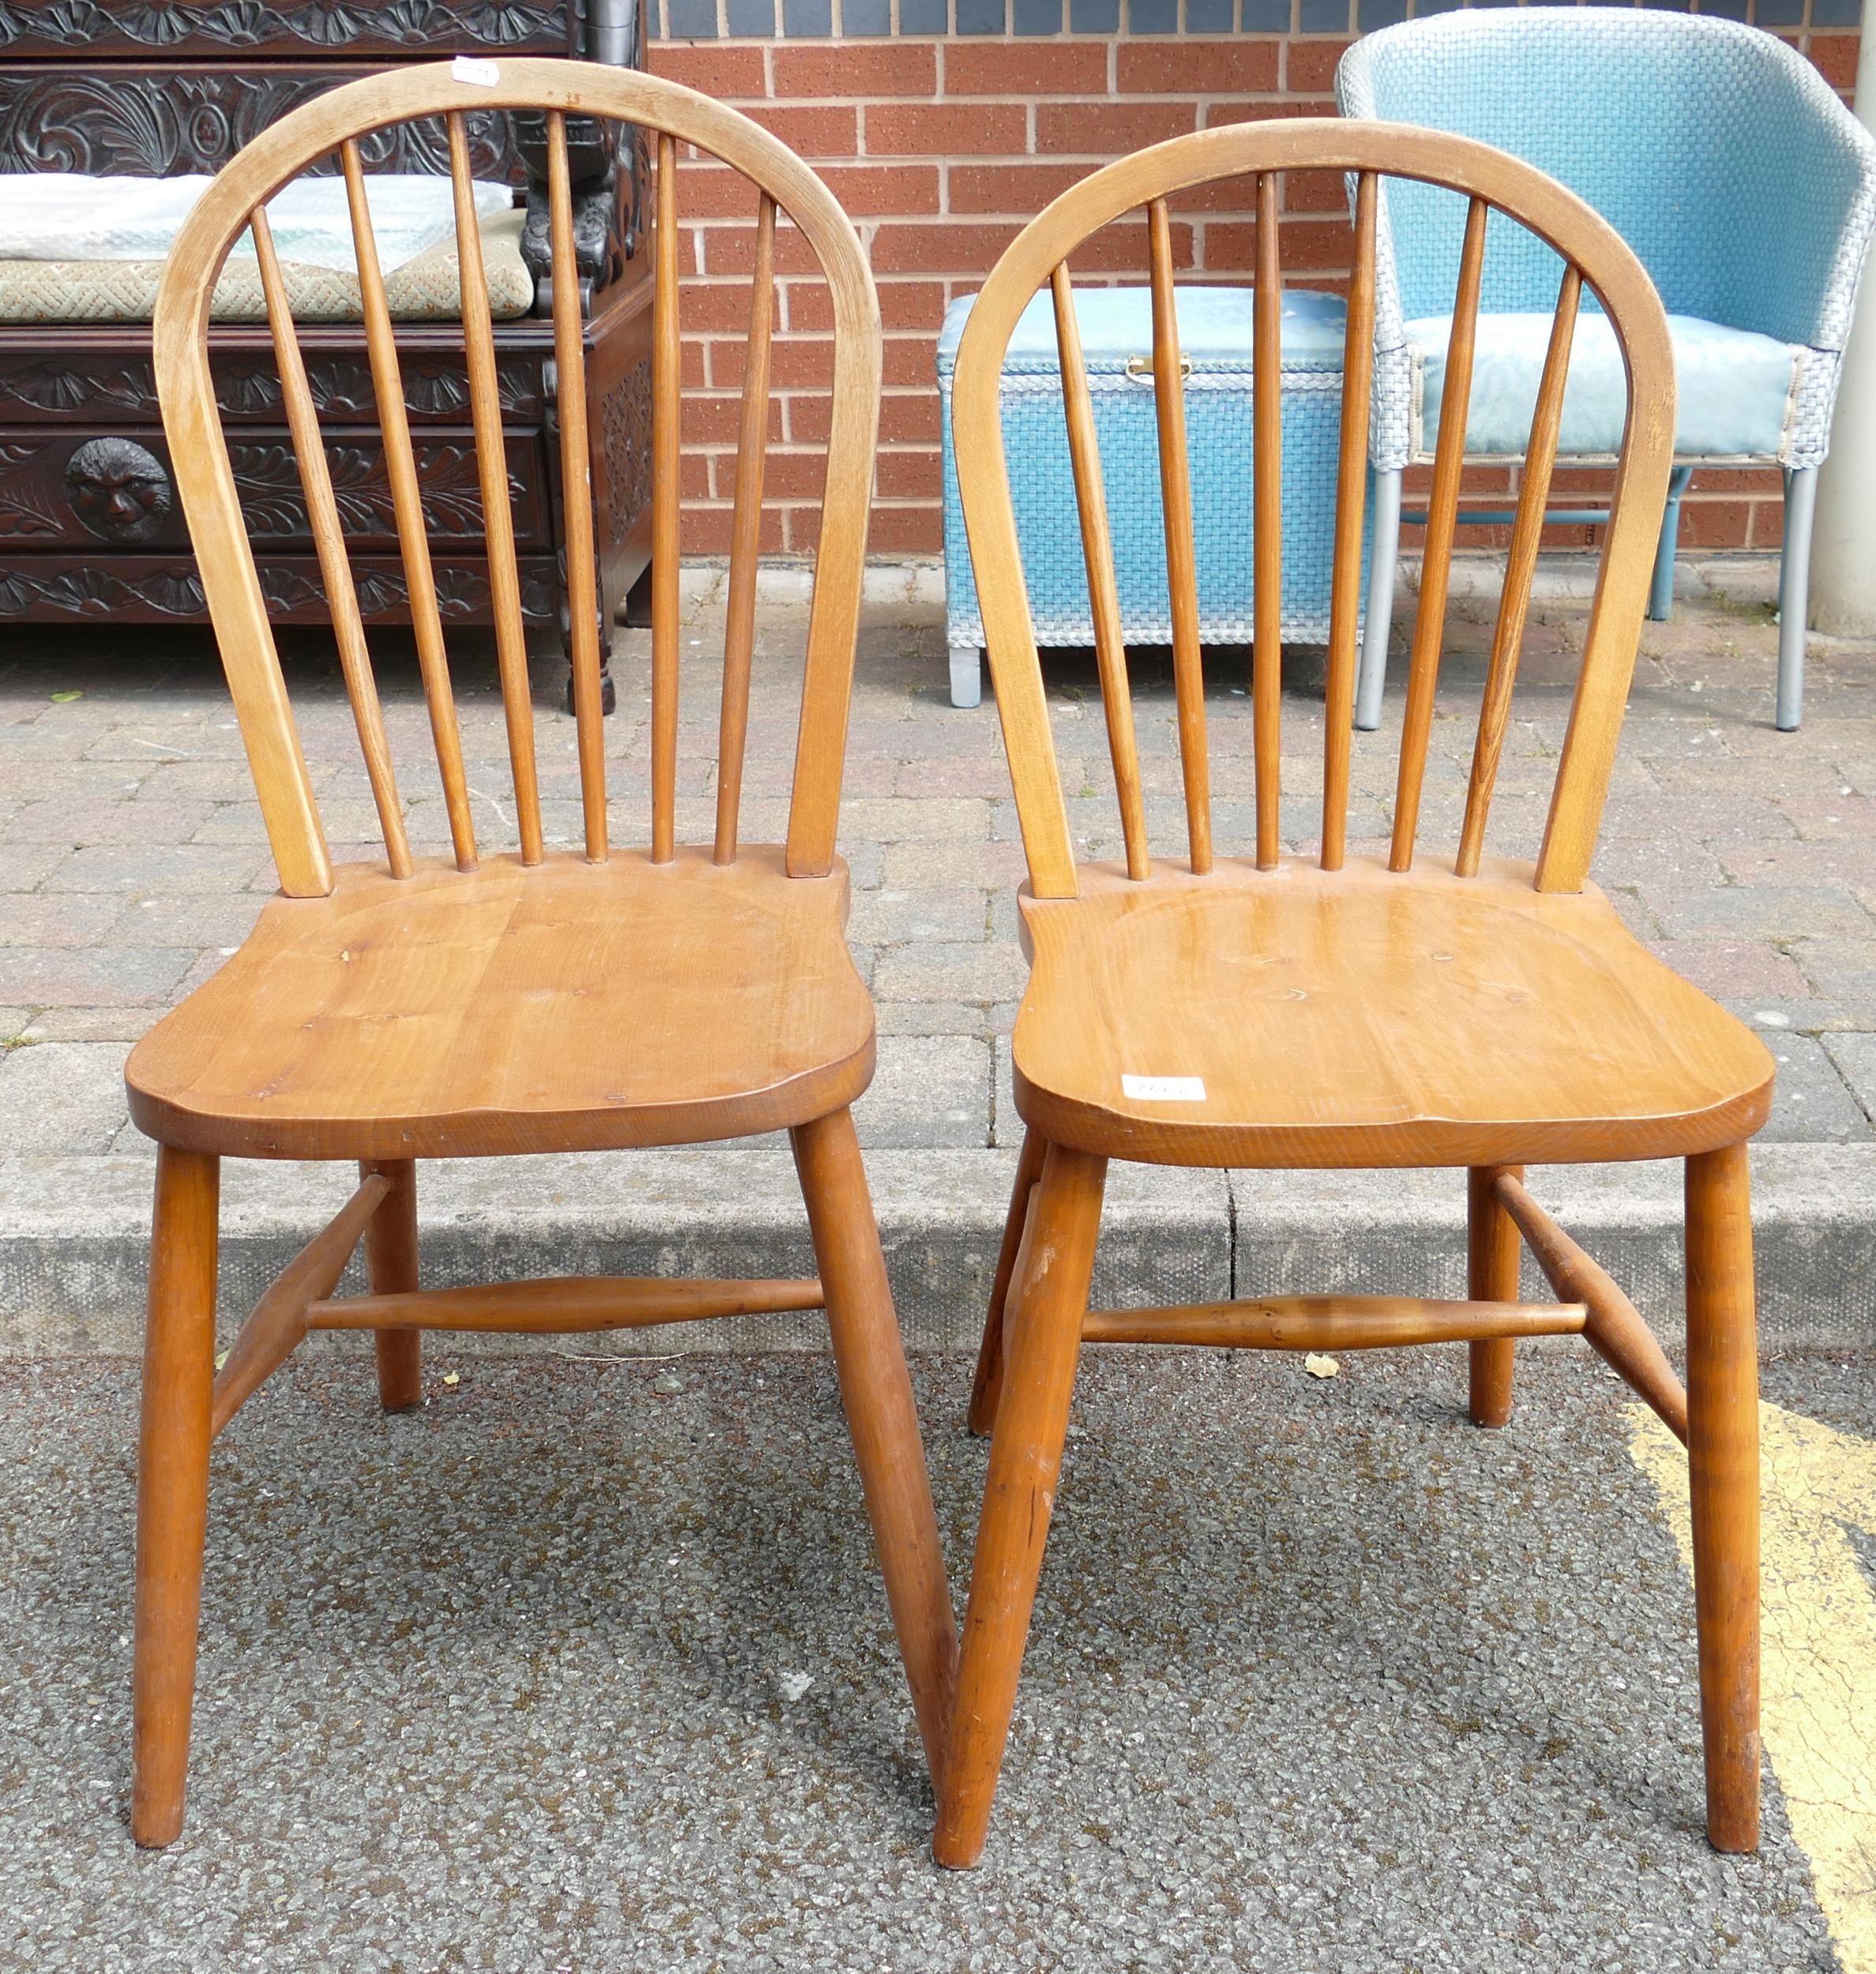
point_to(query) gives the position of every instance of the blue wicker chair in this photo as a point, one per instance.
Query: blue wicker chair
(1726, 163)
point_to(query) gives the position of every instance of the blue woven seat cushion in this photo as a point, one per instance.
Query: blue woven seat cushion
(1737, 390)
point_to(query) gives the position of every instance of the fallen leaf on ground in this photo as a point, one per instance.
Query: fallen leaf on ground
(452, 1377)
(66, 699)
(1320, 1367)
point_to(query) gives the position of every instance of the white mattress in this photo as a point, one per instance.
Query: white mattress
(58, 216)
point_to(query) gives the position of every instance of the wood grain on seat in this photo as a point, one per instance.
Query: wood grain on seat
(567, 1006)
(1367, 1017)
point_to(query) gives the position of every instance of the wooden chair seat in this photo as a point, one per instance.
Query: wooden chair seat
(1369, 1018)
(569, 1006)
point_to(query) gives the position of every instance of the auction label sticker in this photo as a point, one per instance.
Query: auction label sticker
(486, 75)
(1164, 1090)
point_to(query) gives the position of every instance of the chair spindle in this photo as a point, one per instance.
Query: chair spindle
(1267, 424)
(1104, 595)
(745, 539)
(406, 500)
(666, 466)
(1182, 579)
(1436, 556)
(1521, 564)
(329, 539)
(577, 492)
(498, 520)
(1351, 498)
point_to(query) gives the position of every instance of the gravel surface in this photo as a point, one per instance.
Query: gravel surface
(574, 1671)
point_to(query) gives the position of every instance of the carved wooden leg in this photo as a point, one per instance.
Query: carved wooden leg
(1722, 1457)
(609, 691)
(391, 1267)
(877, 1390)
(988, 1384)
(172, 1486)
(1042, 1349)
(1493, 1252)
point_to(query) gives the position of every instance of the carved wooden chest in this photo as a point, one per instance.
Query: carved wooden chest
(89, 525)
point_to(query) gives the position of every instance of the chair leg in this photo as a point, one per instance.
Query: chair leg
(1384, 562)
(987, 1387)
(1494, 1251)
(1042, 1349)
(172, 1486)
(1794, 595)
(967, 675)
(391, 1267)
(1660, 589)
(1723, 1464)
(875, 1388)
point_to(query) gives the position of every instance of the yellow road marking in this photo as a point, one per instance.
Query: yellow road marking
(1819, 1627)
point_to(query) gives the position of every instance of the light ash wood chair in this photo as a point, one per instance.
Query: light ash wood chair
(1331, 1011)
(472, 1006)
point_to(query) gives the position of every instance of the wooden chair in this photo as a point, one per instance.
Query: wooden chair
(473, 1006)
(1331, 1011)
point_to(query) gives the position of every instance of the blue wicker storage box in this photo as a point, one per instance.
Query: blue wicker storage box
(1214, 336)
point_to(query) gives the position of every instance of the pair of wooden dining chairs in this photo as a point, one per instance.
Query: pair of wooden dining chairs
(1307, 1011)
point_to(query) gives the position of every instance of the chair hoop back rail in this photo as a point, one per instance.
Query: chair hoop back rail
(541, 1002)
(1391, 1013)
(235, 203)
(1593, 255)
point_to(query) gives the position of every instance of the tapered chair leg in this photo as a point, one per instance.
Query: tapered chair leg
(1794, 595)
(172, 1486)
(1660, 587)
(1493, 1249)
(391, 1267)
(1722, 1460)
(875, 1388)
(1042, 1350)
(987, 1387)
(1384, 560)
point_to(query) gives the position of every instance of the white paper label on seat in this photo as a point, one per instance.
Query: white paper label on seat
(487, 75)
(1164, 1089)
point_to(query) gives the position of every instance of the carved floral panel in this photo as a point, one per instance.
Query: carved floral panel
(152, 125)
(210, 27)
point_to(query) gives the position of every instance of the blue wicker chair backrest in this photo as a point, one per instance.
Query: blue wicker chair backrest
(1719, 154)
(1584, 251)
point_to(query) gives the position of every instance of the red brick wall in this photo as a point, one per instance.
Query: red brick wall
(940, 150)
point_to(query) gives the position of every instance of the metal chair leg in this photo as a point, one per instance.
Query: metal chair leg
(1384, 560)
(1661, 591)
(1794, 594)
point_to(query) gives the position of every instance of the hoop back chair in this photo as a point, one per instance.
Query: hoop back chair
(1331, 1011)
(470, 1005)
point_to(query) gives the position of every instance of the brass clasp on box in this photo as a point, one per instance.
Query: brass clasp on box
(1140, 368)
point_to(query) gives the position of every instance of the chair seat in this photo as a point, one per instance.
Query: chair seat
(567, 1008)
(1363, 1018)
(1739, 392)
